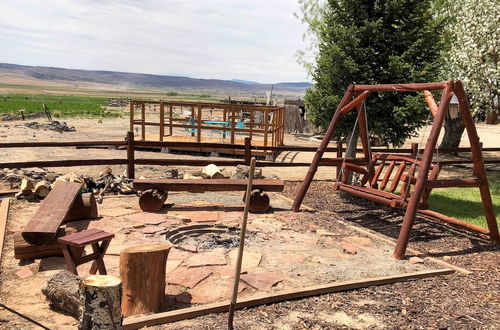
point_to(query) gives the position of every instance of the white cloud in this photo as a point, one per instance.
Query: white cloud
(253, 40)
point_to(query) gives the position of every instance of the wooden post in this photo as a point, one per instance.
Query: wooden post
(142, 270)
(411, 209)
(414, 149)
(162, 121)
(224, 119)
(171, 119)
(131, 116)
(477, 157)
(4, 214)
(233, 124)
(237, 270)
(143, 121)
(198, 135)
(130, 155)
(321, 150)
(100, 300)
(251, 122)
(248, 150)
(363, 132)
(266, 125)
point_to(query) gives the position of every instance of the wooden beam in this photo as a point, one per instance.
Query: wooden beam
(4, 214)
(401, 87)
(354, 103)
(220, 307)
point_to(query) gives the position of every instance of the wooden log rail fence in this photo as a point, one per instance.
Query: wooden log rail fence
(131, 145)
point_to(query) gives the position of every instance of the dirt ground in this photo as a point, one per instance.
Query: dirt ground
(455, 301)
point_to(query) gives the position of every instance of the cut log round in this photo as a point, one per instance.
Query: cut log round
(142, 270)
(26, 185)
(42, 189)
(25, 250)
(152, 200)
(62, 292)
(211, 171)
(259, 202)
(100, 298)
(84, 207)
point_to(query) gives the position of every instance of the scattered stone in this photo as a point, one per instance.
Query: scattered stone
(262, 281)
(147, 218)
(116, 212)
(188, 248)
(416, 260)
(446, 258)
(326, 233)
(250, 259)
(321, 260)
(151, 229)
(213, 290)
(24, 272)
(348, 248)
(213, 258)
(188, 277)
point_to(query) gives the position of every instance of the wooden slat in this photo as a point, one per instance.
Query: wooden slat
(137, 322)
(4, 214)
(85, 237)
(458, 183)
(387, 175)
(65, 163)
(397, 177)
(44, 225)
(194, 185)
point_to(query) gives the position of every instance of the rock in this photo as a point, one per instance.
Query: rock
(446, 258)
(250, 259)
(262, 281)
(365, 241)
(188, 277)
(213, 258)
(416, 260)
(348, 248)
(326, 233)
(24, 272)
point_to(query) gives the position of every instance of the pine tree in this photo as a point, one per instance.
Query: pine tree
(374, 42)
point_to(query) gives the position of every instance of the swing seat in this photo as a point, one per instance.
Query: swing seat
(382, 166)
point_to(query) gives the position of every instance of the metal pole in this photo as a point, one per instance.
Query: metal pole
(239, 259)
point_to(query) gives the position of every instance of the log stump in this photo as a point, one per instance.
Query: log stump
(25, 250)
(84, 207)
(152, 200)
(100, 298)
(62, 292)
(142, 270)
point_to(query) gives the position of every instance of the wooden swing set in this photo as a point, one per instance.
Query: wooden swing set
(419, 173)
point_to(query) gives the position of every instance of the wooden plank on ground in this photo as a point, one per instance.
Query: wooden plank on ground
(4, 214)
(220, 307)
(44, 225)
(201, 185)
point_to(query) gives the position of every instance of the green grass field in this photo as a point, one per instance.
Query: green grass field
(59, 105)
(465, 203)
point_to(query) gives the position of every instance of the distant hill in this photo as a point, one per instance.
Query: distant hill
(141, 80)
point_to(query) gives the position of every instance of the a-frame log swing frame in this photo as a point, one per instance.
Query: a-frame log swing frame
(354, 97)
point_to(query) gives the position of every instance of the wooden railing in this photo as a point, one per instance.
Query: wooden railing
(131, 145)
(270, 126)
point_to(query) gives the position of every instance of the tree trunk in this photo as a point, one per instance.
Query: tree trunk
(142, 270)
(453, 131)
(152, 200)
(62, 292)
(25, 250)
(100, 298)
(84, 207)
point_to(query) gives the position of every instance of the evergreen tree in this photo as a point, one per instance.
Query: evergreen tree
(373, 42)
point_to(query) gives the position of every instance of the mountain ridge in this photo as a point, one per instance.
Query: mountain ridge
(145, 80)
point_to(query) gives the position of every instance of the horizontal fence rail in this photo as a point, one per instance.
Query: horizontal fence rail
(131, 145)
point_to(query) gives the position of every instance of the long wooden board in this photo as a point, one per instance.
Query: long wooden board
(4, 214)
(220, 307)
(201, 185)
(43, 227)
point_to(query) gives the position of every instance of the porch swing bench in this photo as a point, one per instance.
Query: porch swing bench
(414, 189)
(385, 193)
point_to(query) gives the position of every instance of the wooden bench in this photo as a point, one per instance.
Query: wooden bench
(376, 177)
(43, 227)
(74, 245)
(155, 192)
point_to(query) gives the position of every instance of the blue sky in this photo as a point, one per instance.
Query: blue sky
(252, 40)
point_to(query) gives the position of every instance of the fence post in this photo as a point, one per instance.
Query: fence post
(339, 155)
(130, 155)
(248, 150)
(414, 149)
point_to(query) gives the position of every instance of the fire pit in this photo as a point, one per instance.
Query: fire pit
(205, 237)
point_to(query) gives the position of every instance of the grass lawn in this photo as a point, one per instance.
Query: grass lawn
(465, 203)
(59, 105)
